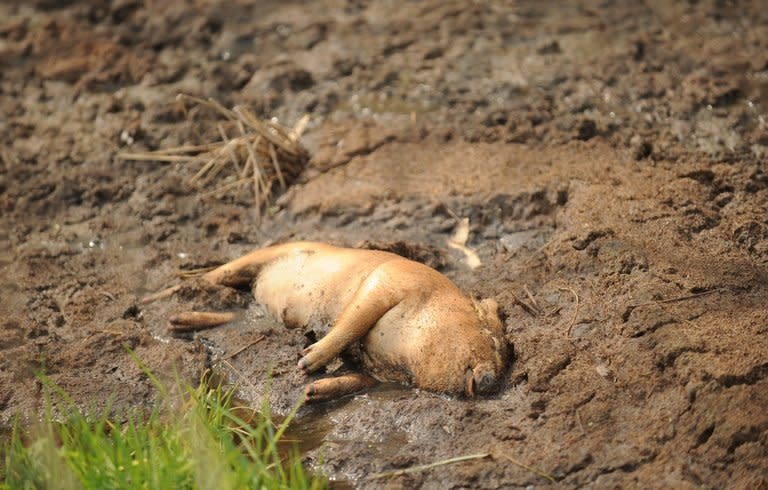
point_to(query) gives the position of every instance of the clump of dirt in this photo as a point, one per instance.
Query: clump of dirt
(610, 159)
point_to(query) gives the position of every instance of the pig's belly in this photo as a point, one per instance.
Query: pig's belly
(300, 290)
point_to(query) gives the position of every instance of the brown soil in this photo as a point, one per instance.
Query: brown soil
(609, 155)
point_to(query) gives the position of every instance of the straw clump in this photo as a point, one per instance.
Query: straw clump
(249, 153)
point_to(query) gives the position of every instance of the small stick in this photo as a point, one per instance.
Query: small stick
(165, 293)
(256, 199)
(282, 132)
(256, 172)
(210, 103)
(186, 149)
(203, 170)
(299, 128)
(575, 313)
(229, 150)
(263, 183)
(211, 170)
(226, 112)
(554, 311)
(280, 178)
(252, 148)
(424, 467)
(252, 121)
(190, 321)
(524, 466)
(153, 157)
(257, 178)
(241, 349)
(221, 162)
(246, 168)
(528, 308)
(225, 187)
(530, 297)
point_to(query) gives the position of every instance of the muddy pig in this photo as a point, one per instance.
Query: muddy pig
(408, 322)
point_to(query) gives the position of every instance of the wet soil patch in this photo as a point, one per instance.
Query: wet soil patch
(610, 159)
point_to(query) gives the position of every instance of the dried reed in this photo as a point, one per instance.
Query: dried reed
(250, 153)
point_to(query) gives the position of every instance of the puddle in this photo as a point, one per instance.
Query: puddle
(313, 429)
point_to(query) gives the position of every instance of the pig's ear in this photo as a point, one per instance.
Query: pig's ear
(489, 315)
(491, 307)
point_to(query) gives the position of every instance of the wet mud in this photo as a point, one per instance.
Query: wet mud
(610, 158)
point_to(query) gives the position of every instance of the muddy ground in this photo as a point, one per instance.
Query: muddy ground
(611, 158)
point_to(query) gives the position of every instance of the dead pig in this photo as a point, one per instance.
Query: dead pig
(411, 323)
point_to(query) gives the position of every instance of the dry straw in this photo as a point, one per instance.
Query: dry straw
(250, 153)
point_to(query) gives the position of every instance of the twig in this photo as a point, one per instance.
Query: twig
(210, 103)
(225, 187)
(575, 313)
(528, 308)
(554, 311)
(256, 173)
(186, 149)
(280, 131)
(424, 467)
(530, 297)
(220, 161)
(299, 128)
(247, 117)
(155, 157)
(524, 466)
(165, 293)
(256, 198)
(241, 349)
(246, 168)
(200, 173)
(273, 154)
(230, 152)
(258, 180)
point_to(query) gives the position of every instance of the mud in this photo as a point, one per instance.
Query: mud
(609, 156)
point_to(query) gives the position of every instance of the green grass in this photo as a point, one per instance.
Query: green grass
(201, 440)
